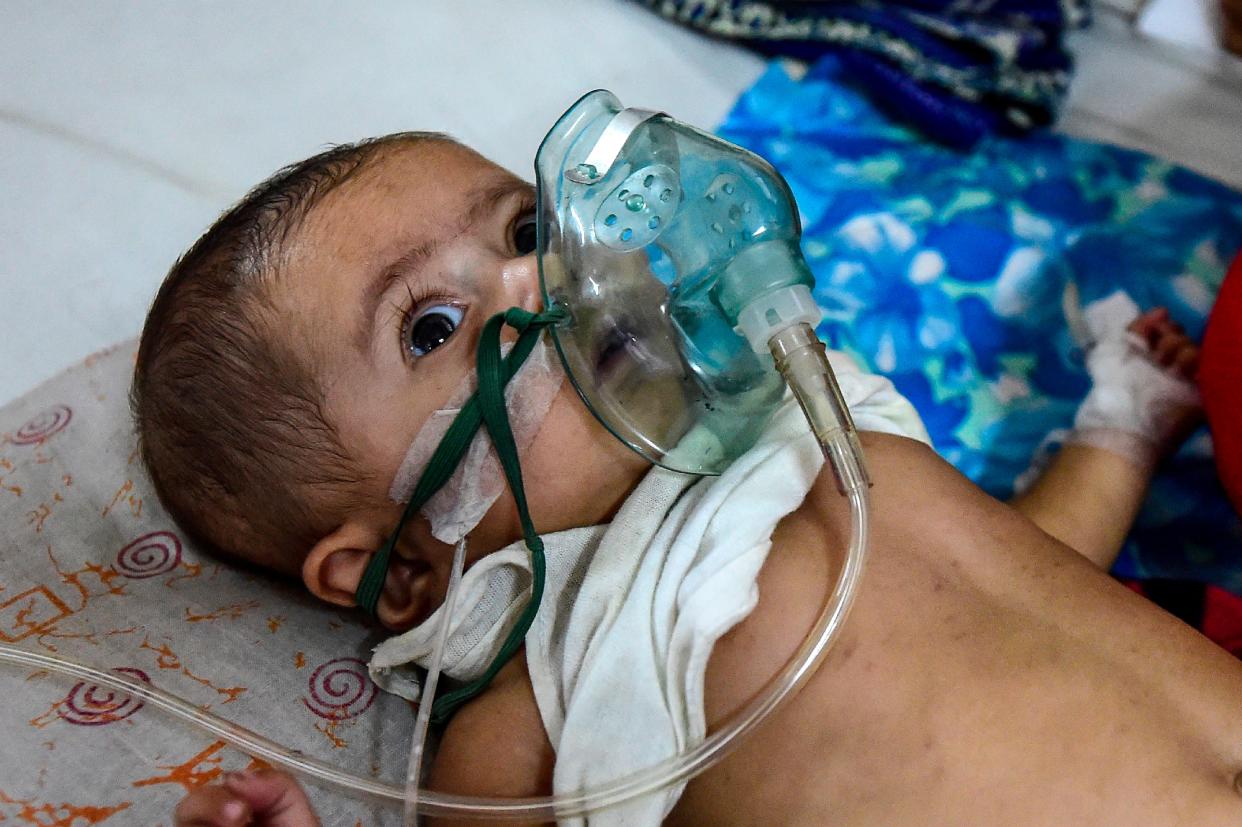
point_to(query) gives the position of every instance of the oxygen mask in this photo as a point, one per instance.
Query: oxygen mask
(659, 242)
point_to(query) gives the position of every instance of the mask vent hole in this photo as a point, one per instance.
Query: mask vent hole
(728, 211)
(641, 207)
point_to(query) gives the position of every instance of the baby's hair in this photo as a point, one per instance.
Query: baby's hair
(230, 416)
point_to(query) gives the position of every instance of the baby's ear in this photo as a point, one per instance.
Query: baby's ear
(336, 564)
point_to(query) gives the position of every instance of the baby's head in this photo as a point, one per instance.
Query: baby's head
(295, 351)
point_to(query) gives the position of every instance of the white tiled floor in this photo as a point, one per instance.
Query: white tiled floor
(126, 128)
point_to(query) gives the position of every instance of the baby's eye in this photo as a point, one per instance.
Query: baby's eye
(524, 234)
(431, 327)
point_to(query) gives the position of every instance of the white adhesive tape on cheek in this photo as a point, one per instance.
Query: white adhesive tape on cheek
(426, 441)
(479, 479)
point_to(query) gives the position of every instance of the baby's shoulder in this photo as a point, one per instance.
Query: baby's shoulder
(495, 745)
(804, 560)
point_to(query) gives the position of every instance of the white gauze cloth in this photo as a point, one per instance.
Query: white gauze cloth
(478, 481)
(631, 610)
(1133, 403)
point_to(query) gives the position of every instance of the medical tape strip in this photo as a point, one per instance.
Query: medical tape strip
(479, 480)
(1133, 403)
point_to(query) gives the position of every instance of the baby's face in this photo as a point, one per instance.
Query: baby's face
(394, 274)
(387, 285)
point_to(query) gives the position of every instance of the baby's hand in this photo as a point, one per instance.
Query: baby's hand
(1170, 347)
(1143, 401)
(266, 798)
(1167, 342)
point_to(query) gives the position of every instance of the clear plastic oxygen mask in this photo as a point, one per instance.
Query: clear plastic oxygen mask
(680, 305)
(674, 256)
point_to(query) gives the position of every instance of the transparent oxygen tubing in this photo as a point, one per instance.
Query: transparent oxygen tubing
(414, 769)
(672, 771)
(811, 379)
(803, 361)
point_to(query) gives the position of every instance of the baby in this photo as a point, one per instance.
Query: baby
(990, 672)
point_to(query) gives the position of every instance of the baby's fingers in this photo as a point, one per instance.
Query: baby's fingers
(1150, 324)
(274, 797)
(212, 807)
(1187, 362)
(1168, 348)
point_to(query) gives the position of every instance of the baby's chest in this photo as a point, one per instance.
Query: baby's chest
(945, 702)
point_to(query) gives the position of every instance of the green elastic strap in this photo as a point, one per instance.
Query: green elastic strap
(486, 406)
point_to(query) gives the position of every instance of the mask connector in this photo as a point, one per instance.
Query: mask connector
(760, 321)
(803, 362)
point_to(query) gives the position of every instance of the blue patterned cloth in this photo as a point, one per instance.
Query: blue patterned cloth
(948, 272)
(957, 69)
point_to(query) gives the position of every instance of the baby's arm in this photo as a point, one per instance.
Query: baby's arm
(496, 745)
(1087, 498)
(1091, 492)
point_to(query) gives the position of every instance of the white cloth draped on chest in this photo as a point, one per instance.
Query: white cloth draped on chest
(631, 610)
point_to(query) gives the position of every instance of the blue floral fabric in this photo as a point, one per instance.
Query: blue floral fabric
(950, 273)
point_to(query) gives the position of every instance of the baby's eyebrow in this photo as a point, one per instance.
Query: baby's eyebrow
(485, 200)
(482, 203)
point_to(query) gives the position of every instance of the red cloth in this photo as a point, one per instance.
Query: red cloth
(1210, 609)
(1222, 619)
(1220, 381)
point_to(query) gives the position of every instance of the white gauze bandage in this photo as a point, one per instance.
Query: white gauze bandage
(479, 480)
(1135, 405)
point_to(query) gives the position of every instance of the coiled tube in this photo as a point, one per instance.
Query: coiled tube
(672, 771)
(801, 359)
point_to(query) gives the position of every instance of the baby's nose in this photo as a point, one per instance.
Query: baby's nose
(520, 278)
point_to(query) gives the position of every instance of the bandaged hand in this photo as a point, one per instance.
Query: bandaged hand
(1143, 401)
(267, 798)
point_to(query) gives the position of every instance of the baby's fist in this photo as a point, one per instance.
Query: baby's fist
(266, 798)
